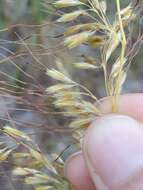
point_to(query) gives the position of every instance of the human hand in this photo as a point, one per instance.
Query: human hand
(112, 153)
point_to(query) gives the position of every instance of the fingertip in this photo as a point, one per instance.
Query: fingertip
(113, 149)
(76, 172)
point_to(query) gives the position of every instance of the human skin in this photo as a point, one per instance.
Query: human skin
(112, 153)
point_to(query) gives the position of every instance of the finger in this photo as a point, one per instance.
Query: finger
(76, 171)
(129, 104)
(113, 149)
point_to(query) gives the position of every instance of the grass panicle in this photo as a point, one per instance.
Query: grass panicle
(86, 23)
(106, 36)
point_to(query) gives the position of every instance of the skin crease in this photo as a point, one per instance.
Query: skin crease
(76, 169)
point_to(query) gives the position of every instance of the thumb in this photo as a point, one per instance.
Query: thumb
(113, 151)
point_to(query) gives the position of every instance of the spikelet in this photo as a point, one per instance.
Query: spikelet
(77, 39)
(80, 27)
(112, 44)
(43, 188)
(72, 16)
(34, 177)
(81, 122)
(58, 87)
(84, 65)
(89, 107)
(115, 68)
(41, 158)
(118, 82)
(4, 153)
(40, 179)
(96, 41)
(67, 3)
(24, 171)
(127, 12)
(15, 133)
(103, 5)
(57, 75)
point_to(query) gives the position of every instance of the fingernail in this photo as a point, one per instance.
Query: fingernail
(113, 149)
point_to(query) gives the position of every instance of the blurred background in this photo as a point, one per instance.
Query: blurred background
(30, 42)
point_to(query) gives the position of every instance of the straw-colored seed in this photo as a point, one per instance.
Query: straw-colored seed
(80, 27)
(4, 153)
(116, 68)
(81, 122)
(24, 171)
(65, 104)
(15, 133)
(71, 16)
(58, 76)
(126, 12)
(40, 178)
(102, 5)
(113, 43)
(89, 107)
(56, 88)
(41, 158)
(67, 3)
(21, 155)
(44, 187)
(96, 41)
(77, 39)
(84, 65)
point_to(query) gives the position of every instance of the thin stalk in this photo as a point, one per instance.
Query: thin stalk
(122, 57)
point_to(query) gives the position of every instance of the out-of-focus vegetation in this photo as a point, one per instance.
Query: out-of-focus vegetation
(30, 42)
(28, 46)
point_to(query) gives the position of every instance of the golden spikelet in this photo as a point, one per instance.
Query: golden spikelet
(80, 27)
(77, 39)
(57, 75)
(67, 3)
(85, 65)
(57, 87)
(15, 133)
(72, 16)
(96, 41)
(4, 153)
